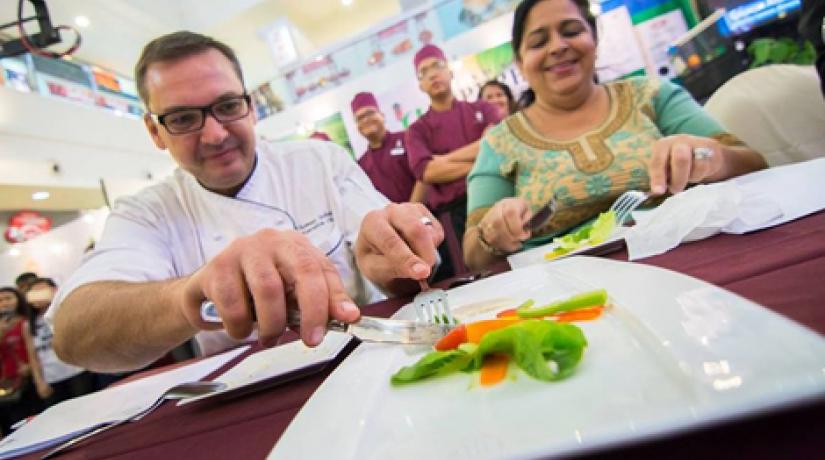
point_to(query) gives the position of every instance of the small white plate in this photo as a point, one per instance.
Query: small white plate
(675, 353)
(536, 255)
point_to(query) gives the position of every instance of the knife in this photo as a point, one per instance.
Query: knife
(367, 328)
(542, 215)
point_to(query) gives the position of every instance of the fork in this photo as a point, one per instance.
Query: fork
(367, 328)
(431, 305)
(626, 204)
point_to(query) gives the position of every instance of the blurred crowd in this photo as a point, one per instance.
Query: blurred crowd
(33, 378)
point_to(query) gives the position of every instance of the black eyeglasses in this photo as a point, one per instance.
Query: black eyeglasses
(435, 66)
(365, 114)
(191, 119)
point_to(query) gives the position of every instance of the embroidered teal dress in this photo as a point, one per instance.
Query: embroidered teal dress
(588, 172)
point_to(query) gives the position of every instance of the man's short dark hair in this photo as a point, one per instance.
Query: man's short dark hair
(178, 45)
(25, 277)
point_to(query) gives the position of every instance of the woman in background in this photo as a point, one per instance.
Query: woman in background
(65, 380)
(19, 367)
(581, 142)
(500, 95)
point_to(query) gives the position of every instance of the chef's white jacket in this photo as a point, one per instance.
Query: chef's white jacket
(171, 229)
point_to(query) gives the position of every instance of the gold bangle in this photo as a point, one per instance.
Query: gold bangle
(487, 247)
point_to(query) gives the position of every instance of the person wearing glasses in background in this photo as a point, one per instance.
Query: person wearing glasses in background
(257, 227)
(442, 146)
(385, 160)
(583, 143)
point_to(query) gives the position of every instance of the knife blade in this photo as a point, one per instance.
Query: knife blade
(367, 328)
(542, 215)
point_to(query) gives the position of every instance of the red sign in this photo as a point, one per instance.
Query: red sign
(25, 225)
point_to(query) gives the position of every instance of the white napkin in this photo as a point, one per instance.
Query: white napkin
(79, 415)
(755, 201)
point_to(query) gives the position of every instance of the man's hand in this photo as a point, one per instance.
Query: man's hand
(398, 242)
(269, 272)
(675, 164)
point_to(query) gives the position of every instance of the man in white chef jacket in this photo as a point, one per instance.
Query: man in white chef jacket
(249, 224)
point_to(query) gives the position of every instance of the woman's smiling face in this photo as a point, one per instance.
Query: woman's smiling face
(557, 54)
(8, 301)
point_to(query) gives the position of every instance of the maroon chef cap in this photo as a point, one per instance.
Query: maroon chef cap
(428, 51)
(362, 100)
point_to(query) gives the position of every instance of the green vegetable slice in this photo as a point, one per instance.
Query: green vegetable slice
(583, 300)
(602, 227)
(596, 232)
(531, 344)
(433, 363)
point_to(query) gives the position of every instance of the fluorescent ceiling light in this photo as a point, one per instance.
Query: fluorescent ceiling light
(82, 21)
(346, 2)
(39, 196)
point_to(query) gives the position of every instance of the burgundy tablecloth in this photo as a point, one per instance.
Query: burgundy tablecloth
(782, 268)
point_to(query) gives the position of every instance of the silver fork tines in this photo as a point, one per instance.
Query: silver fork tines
(626, 204)
(431, 305)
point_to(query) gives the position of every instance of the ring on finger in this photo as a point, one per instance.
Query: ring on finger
(426, 220)
(702, 153)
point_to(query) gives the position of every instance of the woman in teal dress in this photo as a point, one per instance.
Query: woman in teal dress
(582, 142)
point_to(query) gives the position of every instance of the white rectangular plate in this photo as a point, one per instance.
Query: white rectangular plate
(674, 353)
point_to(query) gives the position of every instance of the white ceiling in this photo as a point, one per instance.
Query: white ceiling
(120, 28)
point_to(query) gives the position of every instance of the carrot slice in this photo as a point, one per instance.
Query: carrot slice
(494, 369)
(477, 330)
(453, 339)
(586, 314)
(509, 313)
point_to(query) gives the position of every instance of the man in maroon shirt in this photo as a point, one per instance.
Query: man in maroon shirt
(442, 146)
(385, 160)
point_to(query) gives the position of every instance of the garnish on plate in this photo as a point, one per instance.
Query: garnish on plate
(539, 340)
(591, 234)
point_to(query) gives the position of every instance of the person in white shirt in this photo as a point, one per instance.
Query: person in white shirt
(63, 381)
(255, 227)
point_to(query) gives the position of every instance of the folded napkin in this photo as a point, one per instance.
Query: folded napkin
(744, 204)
